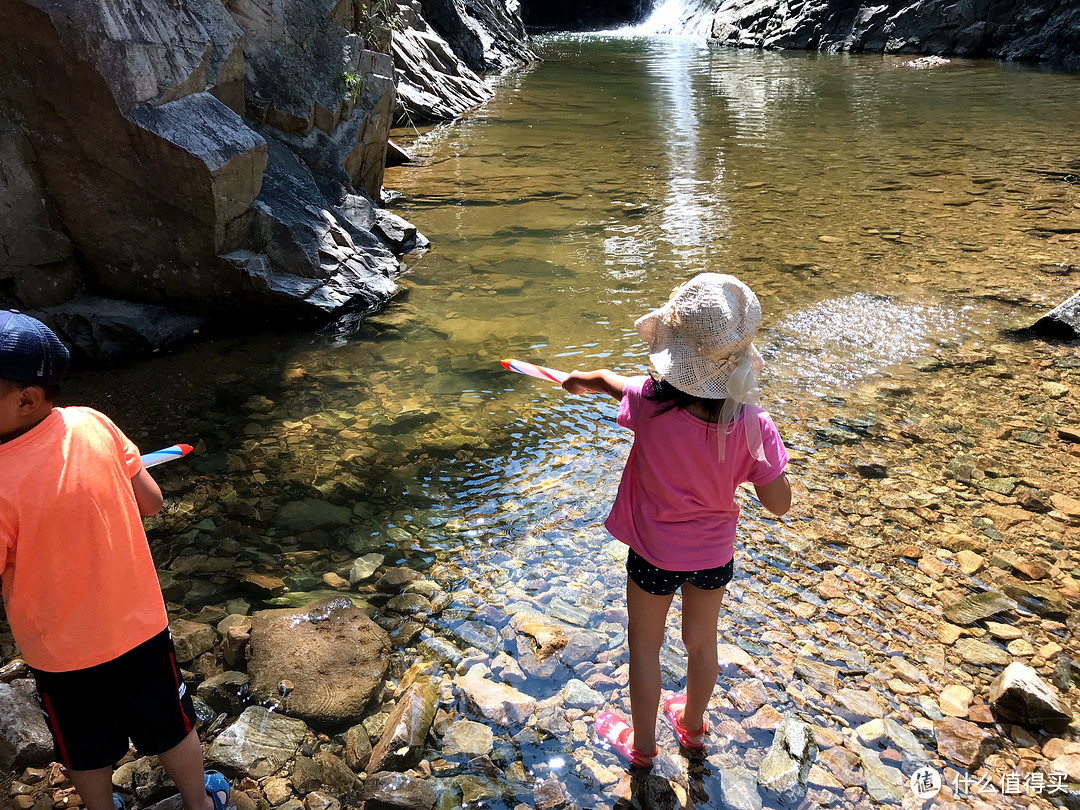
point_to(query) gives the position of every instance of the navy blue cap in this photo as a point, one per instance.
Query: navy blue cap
(29, 351)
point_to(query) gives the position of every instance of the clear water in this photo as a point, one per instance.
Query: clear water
(881, 211)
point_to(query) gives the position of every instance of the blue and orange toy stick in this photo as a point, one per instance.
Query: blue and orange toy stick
(168, 454)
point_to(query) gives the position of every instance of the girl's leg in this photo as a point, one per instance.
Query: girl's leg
(645, 635)
(700, 613)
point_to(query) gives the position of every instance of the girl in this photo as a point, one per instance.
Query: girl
(698, 434)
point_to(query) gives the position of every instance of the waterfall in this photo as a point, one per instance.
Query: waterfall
(692, 18)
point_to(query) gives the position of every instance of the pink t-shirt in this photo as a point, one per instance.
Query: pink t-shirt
(676, 504)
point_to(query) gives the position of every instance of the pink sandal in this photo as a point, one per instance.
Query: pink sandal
(690, 740)
(613, 730)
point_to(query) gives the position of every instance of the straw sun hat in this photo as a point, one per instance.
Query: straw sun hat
(701, 340)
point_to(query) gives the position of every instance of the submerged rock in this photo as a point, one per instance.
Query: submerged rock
(257, 744)
(497, 702)
(402, 743)
(1019, 695)
(1060, 323)
(788, 760)
(962, 742)
(332, 652)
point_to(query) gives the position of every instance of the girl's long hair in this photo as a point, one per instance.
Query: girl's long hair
(671, 397)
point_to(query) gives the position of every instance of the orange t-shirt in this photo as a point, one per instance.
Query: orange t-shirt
(78, 581)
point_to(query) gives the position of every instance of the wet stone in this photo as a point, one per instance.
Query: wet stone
(257, 744)
(962, 742)
(468, 738)
(861, 703)
(312, 514)
(885, 784)
(980, 653)
(579, 695)
(787, 762)
(399, 791)
(979, 606)
(402, 742)
(738, 789)
(1018, 694)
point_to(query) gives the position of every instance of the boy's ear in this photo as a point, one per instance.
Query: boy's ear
(31, 398)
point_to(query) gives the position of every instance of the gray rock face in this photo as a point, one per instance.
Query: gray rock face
(433, 82)
(24, 737)
(484, 33)
(332, 652)
(257, 744)
(1034, 32)
(186, 211)
(1019, 695)
(40, 266)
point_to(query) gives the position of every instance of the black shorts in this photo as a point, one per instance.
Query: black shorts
(93, 712)
(659, 582)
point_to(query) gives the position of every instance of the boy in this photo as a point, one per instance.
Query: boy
(79, 586)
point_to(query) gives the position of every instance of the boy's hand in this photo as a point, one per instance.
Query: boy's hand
(147, 493)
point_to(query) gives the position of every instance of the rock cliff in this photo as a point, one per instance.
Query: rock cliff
(1040, 31)
(217, 158)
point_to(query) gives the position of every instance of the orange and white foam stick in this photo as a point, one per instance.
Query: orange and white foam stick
(168, 454)
(540, 372)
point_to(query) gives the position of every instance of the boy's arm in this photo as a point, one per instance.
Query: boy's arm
(775, 495)
(601, 380)
(147, 493)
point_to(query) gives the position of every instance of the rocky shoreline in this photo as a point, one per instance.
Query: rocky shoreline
(919, 609)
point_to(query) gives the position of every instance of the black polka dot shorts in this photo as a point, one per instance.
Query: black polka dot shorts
(659, 582)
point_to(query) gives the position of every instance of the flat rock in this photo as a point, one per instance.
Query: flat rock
(962, 742)
(332, 652)
(497, 702)
(980, 653)
(257, 744)
(979, 606)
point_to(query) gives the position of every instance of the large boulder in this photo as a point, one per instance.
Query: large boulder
(151, 174)
(1060, 323)
(332, 653)
(24, 737)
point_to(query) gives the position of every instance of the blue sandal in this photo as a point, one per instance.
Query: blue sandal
(217, 786)
(118, 802)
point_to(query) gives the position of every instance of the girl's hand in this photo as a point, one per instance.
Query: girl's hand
(573, 383)
(602, 381)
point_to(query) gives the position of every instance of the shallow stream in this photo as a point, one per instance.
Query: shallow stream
(884, 209)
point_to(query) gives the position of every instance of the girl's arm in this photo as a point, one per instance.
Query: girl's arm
(147, 493)
(601, 380)
(775, 495)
